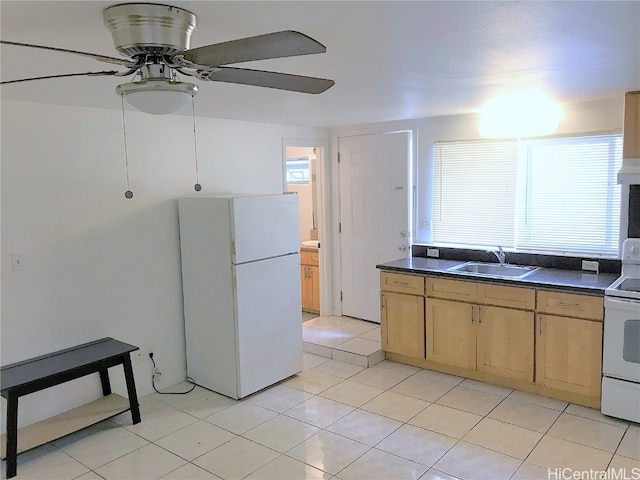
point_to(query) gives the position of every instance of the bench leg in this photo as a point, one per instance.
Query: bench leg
(104, 380)
(131, 389)
(12, 435)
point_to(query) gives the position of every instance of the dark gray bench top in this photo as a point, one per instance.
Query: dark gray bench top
(53, 364)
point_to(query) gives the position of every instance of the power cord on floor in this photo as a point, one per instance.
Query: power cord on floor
(153, 380)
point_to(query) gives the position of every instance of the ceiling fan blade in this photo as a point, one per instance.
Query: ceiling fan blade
(90, 74)
(282, 81)
(95, 56)
(271, 45)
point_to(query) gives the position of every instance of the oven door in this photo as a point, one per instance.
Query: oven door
(621, 344)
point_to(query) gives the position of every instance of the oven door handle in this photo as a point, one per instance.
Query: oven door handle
(611, 302)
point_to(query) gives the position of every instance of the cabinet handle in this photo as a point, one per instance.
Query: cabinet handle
(401, 284)
(472, 313)
(540, 325)
(568, 305)
(479, 315)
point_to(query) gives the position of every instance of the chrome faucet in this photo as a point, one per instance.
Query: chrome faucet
(500, 255)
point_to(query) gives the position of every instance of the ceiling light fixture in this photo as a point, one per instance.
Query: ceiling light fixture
(157, 93)
(526, 113)
(158, 97)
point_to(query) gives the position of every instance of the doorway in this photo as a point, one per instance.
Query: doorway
(303, 166)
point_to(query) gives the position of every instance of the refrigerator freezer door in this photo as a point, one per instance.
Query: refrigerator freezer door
(264, 226)
(269, 322)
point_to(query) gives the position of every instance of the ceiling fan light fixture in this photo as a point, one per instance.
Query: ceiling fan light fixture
(158, 97)
(140, 28)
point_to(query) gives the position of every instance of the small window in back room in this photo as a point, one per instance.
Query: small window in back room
(298, 170)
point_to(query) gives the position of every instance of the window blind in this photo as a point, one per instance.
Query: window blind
(474, 193)
(553, 195)
(571, 200)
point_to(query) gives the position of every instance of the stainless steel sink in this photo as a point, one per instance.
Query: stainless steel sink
(494, 269)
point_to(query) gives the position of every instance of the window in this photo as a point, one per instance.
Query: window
(551, 195)
(298, 170)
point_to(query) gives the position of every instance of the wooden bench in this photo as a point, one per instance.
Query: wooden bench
(46, 371)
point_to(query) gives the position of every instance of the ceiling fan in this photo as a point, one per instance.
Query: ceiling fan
(156, 39)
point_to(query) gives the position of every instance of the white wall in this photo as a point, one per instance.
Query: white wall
(96, 264)
(598, 116)
(305, 205)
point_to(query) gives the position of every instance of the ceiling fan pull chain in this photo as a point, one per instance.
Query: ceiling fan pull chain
(128, 193)
(197, 187)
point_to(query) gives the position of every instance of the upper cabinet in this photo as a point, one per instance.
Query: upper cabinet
(631, 133)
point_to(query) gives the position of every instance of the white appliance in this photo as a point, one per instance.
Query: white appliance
(241, 287)
(621, 343)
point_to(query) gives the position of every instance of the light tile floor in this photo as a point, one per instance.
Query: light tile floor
(345, 339)
(344, 422)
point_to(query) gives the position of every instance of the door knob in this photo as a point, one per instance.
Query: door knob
(403, 234)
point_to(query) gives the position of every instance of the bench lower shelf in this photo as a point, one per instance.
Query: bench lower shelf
(67, 422)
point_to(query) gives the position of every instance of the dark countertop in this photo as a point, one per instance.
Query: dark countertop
(555, 278)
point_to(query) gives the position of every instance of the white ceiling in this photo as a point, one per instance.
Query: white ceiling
(390, 60)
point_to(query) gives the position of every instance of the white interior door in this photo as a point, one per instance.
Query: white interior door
(374, 215)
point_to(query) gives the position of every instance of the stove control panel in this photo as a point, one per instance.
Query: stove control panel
(631, 251)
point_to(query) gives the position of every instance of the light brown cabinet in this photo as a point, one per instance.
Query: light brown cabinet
(543, 341)
(402, 314)
(631, 131)
(451, 336)
(310, 281)
(505, 342)
(569, 342)
(487, 338)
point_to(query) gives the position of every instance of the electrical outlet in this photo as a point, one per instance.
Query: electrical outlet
(591, 266)
(17, 262)
(433, 252)
(137, 357)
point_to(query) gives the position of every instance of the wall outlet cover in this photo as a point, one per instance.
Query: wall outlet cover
(591, 266)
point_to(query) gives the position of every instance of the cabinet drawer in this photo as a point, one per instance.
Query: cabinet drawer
(570, 304)
(504, 296)
(452, 289)
(309, 258)
(400, 283)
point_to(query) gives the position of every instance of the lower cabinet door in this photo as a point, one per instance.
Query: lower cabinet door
(569, 354)
(505, 342)
(402, 324)
(451, 333)
(314, 274)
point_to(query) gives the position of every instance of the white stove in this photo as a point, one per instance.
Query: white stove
(628, 284)
(621, 341)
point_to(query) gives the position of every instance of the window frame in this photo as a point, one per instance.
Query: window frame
(613, 220)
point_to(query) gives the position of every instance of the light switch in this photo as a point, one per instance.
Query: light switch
(17, 262)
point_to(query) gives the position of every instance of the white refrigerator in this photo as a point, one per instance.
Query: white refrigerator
(241, 288)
